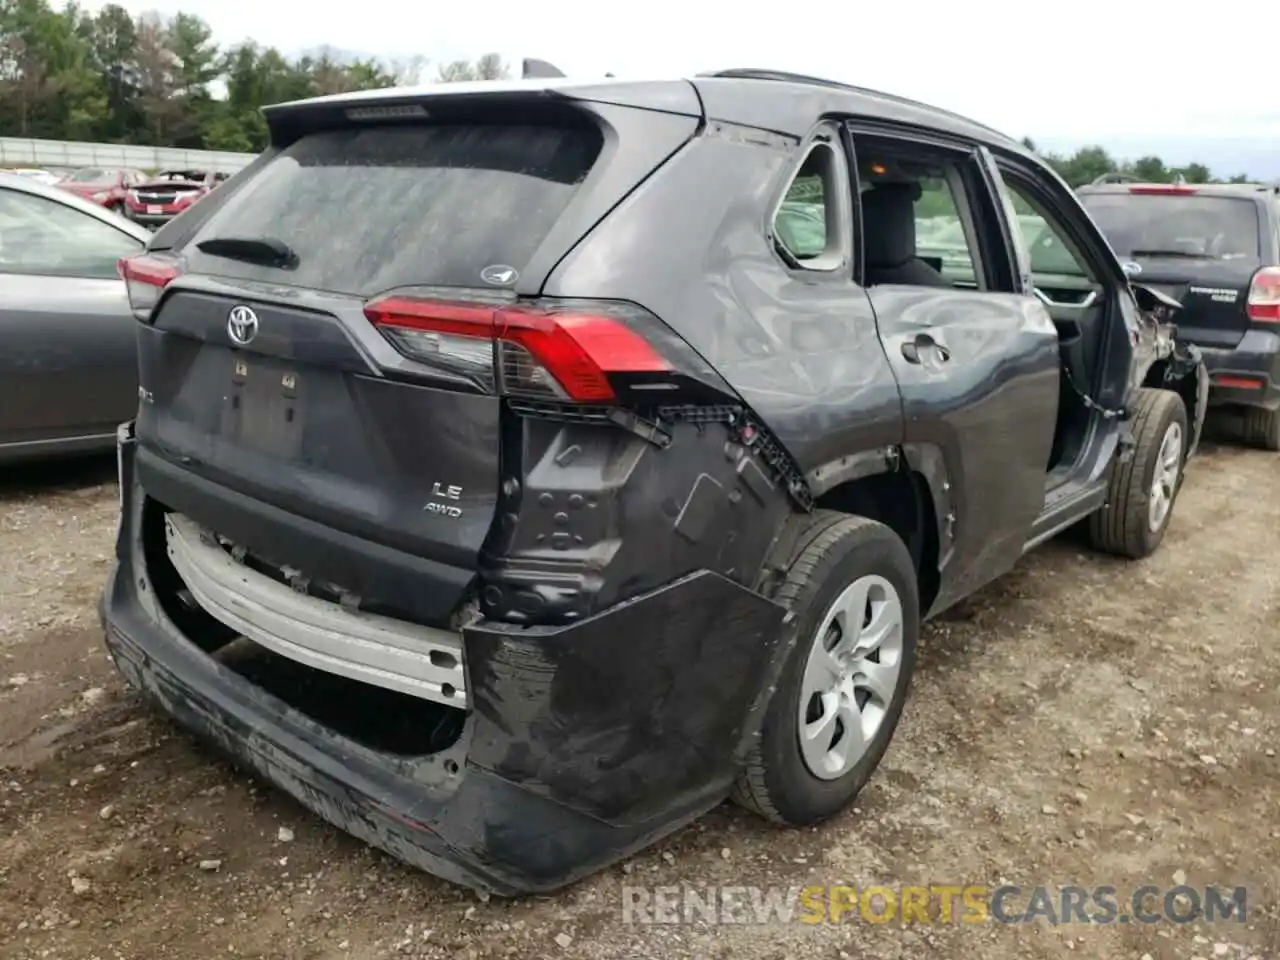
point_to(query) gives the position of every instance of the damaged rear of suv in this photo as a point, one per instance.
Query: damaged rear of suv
(502, 449)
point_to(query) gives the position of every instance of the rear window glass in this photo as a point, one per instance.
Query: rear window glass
(1215, 228)
(373, 208)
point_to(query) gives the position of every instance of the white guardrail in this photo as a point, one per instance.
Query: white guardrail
(66, 155)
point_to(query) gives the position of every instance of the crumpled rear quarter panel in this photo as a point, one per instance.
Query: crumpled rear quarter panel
(626, 713)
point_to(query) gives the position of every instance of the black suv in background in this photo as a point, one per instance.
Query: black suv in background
(520, 469)
(1216, 249)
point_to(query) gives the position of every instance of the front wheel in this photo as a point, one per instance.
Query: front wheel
(1142, 490)
(854, 594)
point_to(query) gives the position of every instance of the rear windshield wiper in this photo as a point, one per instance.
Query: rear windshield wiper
(1183, 254)
(267, 251)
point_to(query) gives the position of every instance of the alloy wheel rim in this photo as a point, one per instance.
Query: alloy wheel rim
(1164, 483)
(850, 676)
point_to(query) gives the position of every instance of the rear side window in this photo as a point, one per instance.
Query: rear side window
(1176, 225)
(369, 209)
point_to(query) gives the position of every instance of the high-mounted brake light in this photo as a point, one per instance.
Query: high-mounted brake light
(1163, 189)
(1263, 305)
(568, 355)
(145, 277)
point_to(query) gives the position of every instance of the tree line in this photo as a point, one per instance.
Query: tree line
(1089, 163)
(111, 77)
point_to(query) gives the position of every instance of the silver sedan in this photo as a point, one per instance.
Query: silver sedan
(68, 360)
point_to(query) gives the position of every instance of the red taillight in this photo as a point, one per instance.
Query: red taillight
(145, 277)
(1263, 305)
(1163, 189)
(1237, 383)
(535, 352)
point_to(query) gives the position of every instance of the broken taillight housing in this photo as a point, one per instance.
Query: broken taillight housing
(542, 351)
(145, 277)
(1263, 304)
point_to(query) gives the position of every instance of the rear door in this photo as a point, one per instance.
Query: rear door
(270, 376)
(1200, 248)
(68, 363)
(976, 362)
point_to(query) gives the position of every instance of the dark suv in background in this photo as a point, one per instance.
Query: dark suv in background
(1216, 249)
(522, 468)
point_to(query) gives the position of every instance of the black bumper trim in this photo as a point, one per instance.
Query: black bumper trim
(1256, 357)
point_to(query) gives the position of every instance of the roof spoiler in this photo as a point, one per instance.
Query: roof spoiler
(532, 69)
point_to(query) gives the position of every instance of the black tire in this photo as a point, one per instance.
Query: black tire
(1262, 428)
(835, 551)
(1122, 527)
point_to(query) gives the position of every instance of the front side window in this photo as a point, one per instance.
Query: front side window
(1053, 254)
(42, 237)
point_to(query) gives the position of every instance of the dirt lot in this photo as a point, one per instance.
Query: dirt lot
(1081, 721)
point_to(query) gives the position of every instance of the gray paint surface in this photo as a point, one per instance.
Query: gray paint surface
(68, 356)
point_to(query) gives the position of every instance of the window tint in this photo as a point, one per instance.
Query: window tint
(941, 239)
(46, 238)
(808, 228)
(1176, 225)
(928, 218)
(801, 223)
(372, 208)
(1047, 242)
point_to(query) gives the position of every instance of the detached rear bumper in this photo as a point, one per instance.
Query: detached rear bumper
(582, 744)
(1247, 374)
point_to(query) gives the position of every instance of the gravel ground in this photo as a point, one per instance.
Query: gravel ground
(1082, 720)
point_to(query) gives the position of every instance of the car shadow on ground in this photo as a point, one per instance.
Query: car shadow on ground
(53, 476)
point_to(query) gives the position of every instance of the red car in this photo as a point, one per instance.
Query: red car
(159, 199)
(105, 187)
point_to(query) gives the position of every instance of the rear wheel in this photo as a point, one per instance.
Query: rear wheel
(1262, 428)
(854, 593)
(1143, 490)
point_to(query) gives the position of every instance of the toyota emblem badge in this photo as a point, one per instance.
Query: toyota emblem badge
(242, 325)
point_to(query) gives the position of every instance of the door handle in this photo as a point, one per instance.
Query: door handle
(922, 347)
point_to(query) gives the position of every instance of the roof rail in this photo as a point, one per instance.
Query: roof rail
(532, 69)
(756, 73)
(1115, 176)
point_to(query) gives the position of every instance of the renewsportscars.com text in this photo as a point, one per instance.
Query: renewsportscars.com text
(933, 904)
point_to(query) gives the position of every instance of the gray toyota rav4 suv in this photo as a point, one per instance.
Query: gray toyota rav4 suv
(521, 469)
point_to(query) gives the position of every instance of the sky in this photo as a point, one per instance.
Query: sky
(1084, 72)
